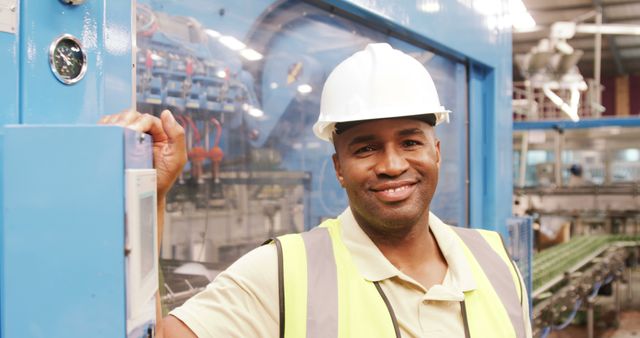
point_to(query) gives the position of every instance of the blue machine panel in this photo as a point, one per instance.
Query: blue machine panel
(2, 243)
(105, 33)
(9, 79)
(63, 229)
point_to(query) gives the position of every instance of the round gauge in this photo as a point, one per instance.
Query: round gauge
(68, 60)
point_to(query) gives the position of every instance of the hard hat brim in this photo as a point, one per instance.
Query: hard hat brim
(324, 130)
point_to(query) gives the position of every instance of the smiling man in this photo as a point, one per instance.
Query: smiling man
(385, 267)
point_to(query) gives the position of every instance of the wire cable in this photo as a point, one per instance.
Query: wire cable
(545, 332)
(572, 316)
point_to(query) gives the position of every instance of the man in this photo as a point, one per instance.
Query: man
(386, 267)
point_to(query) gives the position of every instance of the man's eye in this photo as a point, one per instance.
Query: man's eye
(410, 143)
(364, 150)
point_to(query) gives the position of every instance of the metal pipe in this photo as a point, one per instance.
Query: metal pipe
(558, 158)
(590, 302)
(629, 287)
(617, 291)
(524, 149)
(598, 56)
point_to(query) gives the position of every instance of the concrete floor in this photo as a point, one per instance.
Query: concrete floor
(605, 327)
(629, 326)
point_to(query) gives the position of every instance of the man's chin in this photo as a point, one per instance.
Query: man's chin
(397, 219)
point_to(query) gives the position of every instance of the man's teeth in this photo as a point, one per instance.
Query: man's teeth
(397, 189)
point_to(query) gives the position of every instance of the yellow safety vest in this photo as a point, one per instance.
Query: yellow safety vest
(322, 294)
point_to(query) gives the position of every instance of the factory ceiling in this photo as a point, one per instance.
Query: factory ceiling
(620, 53)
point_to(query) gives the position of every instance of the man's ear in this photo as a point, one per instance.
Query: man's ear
(338, 168)
(438, 153)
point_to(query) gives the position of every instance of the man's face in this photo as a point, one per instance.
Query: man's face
(389, 168)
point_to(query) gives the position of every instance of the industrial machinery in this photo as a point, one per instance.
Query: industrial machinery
(568, 277)
(244, 79)
(553, 83)
(580, 187)
(247, 95)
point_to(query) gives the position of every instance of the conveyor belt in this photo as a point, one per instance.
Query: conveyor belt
(551, 264)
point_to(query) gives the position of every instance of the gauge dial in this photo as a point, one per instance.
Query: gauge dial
(68, 59)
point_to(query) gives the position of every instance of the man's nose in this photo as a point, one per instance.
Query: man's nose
(391, 163)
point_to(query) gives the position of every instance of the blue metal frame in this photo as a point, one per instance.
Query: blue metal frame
(566, 124)
(9, 56)
(2, 242)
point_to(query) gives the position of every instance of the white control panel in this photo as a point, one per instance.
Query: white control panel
(141, 250)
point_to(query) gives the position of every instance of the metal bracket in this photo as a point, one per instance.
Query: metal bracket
(9, 16)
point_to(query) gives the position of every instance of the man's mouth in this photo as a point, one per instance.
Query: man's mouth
(390, 190)
(394, 191)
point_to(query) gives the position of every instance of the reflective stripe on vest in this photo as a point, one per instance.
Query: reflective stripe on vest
(499, 275)
(360, 310)
(334, 300)
(322, 314)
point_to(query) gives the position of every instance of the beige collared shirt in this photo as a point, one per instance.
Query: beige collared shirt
(243, 300)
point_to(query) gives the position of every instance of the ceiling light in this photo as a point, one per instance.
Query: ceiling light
(255, 112)
(212, 33)
(631, 155)
(221, 74)
(273, 85)
(250, 54)
(428, 6)
(304, 89)
(231, 42)
(521, 20)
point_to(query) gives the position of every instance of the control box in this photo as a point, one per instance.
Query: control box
(80, 258)
(141, 248)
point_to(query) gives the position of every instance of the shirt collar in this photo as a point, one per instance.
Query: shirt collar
(374, 266)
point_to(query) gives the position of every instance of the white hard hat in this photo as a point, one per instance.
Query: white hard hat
(376, 83)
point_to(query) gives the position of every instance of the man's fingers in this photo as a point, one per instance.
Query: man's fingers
(150, 124)
(127, 118)
(106, 119)
(173, 129)
(147, 123)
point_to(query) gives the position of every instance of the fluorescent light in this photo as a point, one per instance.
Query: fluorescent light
(428, 6)
(221, 73)
(250, 54)
(231, 42)
(255, 112)
(304, 89)
(631, 155)
(251, 110)
(212, 33)
(520, 18)
(273, 85)
(486, 7)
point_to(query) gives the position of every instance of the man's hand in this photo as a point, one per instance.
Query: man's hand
(169, 149)
(169, 156)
